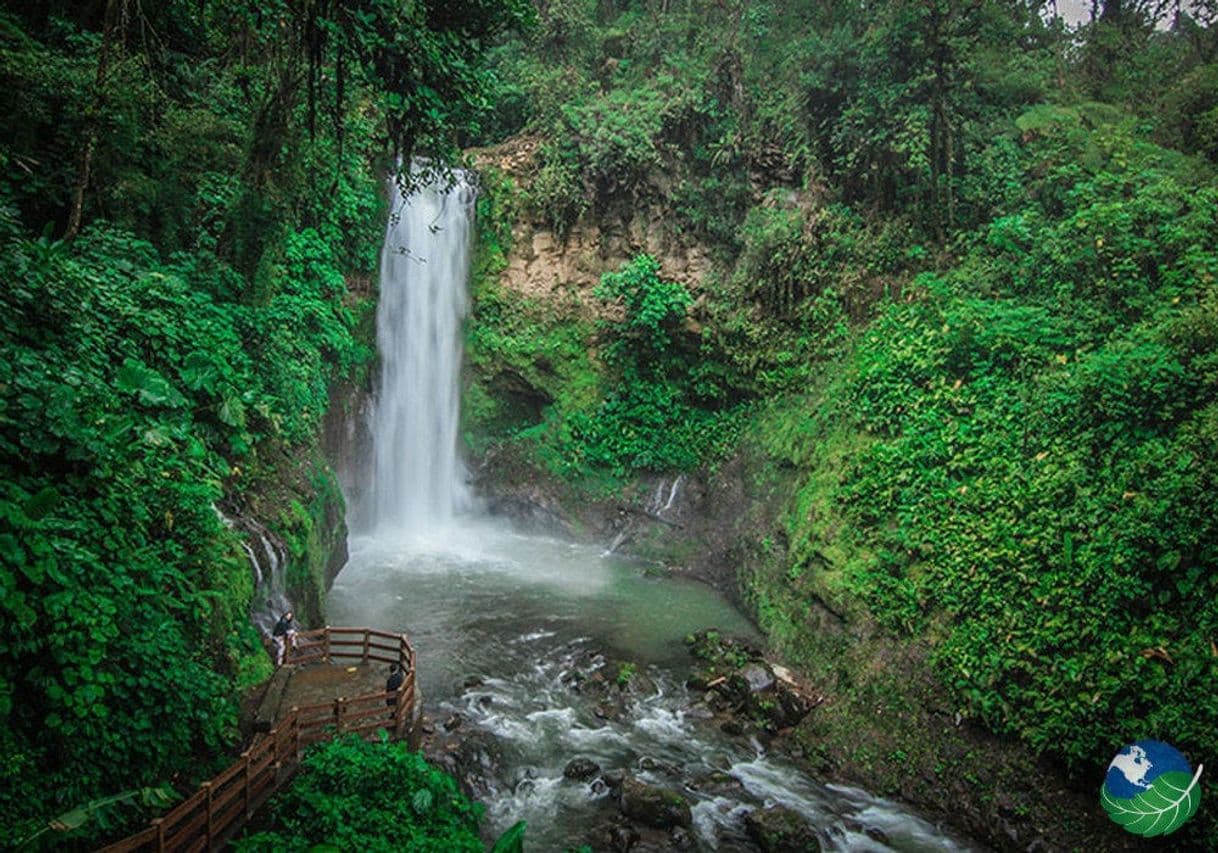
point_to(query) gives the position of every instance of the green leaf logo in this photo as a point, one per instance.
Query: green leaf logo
(1149, 789)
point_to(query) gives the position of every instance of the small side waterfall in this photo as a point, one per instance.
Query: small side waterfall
(268, 560)
(661, 501)
(418, 479)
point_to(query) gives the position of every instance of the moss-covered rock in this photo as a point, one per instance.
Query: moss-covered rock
(781, 830)
(654, 806)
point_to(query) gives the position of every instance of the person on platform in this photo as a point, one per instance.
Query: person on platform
(284, 637)
(396, 676)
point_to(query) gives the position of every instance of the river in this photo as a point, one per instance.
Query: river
(517, 616)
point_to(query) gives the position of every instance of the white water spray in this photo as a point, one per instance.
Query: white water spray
(418, 477)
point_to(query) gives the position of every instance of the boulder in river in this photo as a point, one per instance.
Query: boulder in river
(758, 676)
(780, 829)
(652, 805)
(581, 769)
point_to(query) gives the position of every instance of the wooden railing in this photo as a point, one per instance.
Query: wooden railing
(211, 816)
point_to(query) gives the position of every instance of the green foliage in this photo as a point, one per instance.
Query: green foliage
(653, 418)
(352, 794)
(626, 672)
(654, 311)
(70, 824)
(167, 358)
(131, 394)
(512, 840)
(1039, 479)
(646, 407)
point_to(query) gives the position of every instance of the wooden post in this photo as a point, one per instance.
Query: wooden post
(326, 647)
(367, 637)
(338, 714)
(158, 824)
(296, 732)
(399, 708)
(207, 787)
(245, 783)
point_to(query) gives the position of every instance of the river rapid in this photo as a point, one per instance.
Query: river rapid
(503, 624)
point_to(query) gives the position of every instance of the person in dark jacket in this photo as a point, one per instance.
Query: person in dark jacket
(396, 676)
(284, 636)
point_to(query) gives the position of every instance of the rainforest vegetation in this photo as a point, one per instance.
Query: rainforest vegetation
(963, 304)
(185, 191)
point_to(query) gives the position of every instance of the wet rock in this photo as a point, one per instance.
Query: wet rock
(630, 679)
(711, 646)
(614, 778)
(474, 761)
(472, 681)
(581, 769)
(788, 709)
(485, 701)
(732, 727)
(523, 774)
(650, 764)
(452, 722)
(719, 784)
(681, 840)
(758, 677)
(617, 837)
(876, 834)
(780, 829)
(736, 690)
(573, 680)
(608, 710)
(654, 806)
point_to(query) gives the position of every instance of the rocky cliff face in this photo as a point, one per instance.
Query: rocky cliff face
(541, 264)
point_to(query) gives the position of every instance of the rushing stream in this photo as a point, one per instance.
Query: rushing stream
(521, 615)
(505, 623)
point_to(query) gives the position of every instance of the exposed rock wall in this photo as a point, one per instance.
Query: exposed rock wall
(564, 269)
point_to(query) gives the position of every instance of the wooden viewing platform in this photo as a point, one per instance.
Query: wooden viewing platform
(211, 816)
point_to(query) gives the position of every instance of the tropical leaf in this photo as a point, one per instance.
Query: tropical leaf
(512, 841)
(422, 801)
(1171, 800)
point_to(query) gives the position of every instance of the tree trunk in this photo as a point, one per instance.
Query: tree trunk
(84, 162)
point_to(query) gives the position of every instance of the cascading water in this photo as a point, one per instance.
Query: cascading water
(418, 480)
(503, 622)
(268, 559)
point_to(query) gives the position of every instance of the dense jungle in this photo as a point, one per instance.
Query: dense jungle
(909, 308)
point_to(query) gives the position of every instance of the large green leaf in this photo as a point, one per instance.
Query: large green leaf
(512, 841)
(1170, 801)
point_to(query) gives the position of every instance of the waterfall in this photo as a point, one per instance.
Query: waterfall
(418, 479)
(268, 562)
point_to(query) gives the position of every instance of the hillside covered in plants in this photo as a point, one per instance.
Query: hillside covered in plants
(957, 334)
(191, 208)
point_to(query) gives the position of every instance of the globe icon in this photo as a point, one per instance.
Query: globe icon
(1150, 788)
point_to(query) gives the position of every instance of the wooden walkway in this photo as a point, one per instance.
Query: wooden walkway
(332, 683)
